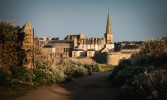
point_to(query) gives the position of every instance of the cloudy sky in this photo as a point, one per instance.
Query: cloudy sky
(130, 19)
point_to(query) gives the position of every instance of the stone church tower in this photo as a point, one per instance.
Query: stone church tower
(108, 35)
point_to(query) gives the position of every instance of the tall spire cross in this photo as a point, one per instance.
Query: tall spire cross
(108, 27)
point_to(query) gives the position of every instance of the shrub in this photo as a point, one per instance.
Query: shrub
(93, 67)
(5, 78)
(48, 76)
(22, 74)
(144, 75)
(79, 72)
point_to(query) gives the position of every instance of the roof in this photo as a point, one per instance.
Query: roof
(78, 49)
(48, 46)
(71, 37)
(104, 50)
(130, 47)
(91, 50)
(55, 38)
(60, 41)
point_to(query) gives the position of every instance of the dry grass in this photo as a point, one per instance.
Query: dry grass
(105, 67)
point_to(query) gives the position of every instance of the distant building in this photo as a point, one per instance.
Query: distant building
(63, 48)
(49, 51)
(41, 41)
(90, 53)
(102, 48)
(78, 53)
(92, 45)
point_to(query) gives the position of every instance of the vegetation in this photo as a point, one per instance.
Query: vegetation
(144, 75)
(107, 67)
(8, 32)
(44, 74)
(47, 71)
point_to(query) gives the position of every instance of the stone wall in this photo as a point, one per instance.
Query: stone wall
(27, 44)
(18, 52)
(113, 58)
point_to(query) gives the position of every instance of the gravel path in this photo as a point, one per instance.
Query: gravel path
(93, 87)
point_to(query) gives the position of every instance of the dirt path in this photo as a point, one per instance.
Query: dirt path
(93, 87)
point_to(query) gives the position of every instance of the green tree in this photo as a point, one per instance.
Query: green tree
(8, 32)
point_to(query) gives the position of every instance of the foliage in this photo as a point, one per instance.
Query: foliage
(47, 76)
(72, 69)
(93, 67)
(106, 67)
(22, 74)
(144, 75)
(8, 32)
(4, 77)
(44, 73)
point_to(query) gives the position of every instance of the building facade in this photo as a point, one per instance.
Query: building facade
(104, 48)
(63, 48)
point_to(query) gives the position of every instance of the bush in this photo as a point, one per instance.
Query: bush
(5, 78)
(48, 75)
(79, 72)
(22, 74)
(74, 69)
(144, 75)
(93, 67)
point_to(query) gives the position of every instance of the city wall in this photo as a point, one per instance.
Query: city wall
(17, 53)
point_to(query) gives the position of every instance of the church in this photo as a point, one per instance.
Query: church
(89, 47)
(80, 46)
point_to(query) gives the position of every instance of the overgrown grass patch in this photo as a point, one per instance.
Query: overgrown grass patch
(105, 67)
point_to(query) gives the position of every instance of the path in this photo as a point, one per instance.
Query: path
(93, 87)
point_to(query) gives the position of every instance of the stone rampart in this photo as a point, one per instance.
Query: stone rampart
(18, 52)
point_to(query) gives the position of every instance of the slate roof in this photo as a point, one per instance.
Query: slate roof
(78, 49)
(48, 46)
(129, 47)
(60, 41)
(91, 50)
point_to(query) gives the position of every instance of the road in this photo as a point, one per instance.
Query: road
(94, 87)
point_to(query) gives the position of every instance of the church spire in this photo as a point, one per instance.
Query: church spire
(108, 27)
(108, 35)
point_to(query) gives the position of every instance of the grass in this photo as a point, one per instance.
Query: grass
(10, 94)
(105, 67)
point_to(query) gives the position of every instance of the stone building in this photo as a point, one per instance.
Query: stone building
(80, 46)
(78, 53)
(123, 50)
(63, 48)
(49, 51)
(93, 45)
(90, 53)
(41, 41)
(99, 48)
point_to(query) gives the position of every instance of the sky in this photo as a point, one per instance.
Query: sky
(131, 20)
